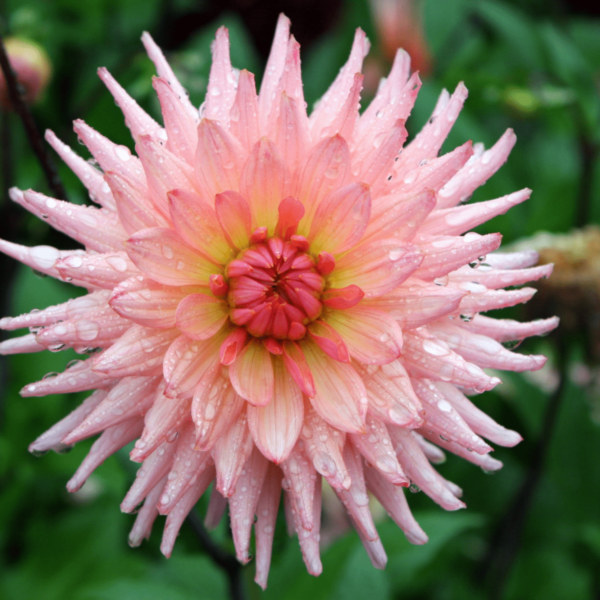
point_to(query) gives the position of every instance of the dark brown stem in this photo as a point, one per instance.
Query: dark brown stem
(225, 561)
(504, 545)
(33, 135)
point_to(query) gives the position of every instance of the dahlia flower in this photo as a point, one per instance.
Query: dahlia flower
(278, 298)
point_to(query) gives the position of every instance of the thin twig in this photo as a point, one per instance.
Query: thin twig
(225, 561)
(504, 546)
(33, 135)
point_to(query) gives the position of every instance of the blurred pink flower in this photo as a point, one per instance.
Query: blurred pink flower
(399, 24)
(32, 68)
(278, 298)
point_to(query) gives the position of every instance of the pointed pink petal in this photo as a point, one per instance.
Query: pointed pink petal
(476, 419)
(148, 303)
(371, 335)
(189, 464)
(264, 183)
(497, 278)
(273, 70)
(142, 527)
(163, 256)
(289, 132)
(291, 212)
(326, 168)
(180, 125)
(455, 221)
(299, 483)
(155, 467)
(134, 207)
(417, 303)
(243, 119)
(96, 229)
(215, 407)
(244, 501)
(356, 499)
(200, 316)
(394, 99)
(131, 397)
(189, 361)
(52, 314)
(99, 327)
(140, 351)
(493, 299)
(20, 345)
(78, 377)
(476, 172)
(96, 270)
(234, 217)
(252, 374)
(391, 396)
(182, 509)
(340, 398)
(341, 219)
(420, 471)
(152, 472)
(39, 258)
(425, 356)
(443, 419)
(393, 500)
(220, 93)
(429, 140)
(164, 172)
(295, 362)
(377, 449)
(324, 445)
(110, 156)
(164, 71)
(218, 160)
(88, 175)
(230, 454)
(328, 107)
(443, 254)
(264, 528)
(276, 426)
(329, 340)
(484, 351)
(52, 439)
(138, 121)
(376, 267)
(399, 216)
(506, 330)
(113, 439)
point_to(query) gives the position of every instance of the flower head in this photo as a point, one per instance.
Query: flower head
(277, 299)
(32, 67)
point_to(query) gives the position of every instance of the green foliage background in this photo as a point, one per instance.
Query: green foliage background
(528, 65)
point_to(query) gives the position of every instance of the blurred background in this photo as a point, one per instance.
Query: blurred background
(530, 531)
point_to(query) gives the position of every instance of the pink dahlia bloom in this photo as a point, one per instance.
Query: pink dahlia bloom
(278, 298)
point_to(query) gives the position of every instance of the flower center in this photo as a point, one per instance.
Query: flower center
(275, 289)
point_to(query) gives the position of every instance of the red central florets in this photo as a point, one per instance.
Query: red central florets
(275, 288)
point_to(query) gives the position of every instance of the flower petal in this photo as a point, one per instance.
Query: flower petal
(252, 374)
(341, 219)
(372, 336)
(200, 316)
(341, 398)
(162, 255)
(276, 426)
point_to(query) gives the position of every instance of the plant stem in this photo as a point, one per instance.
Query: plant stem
(505, 543)
(225, 561)
(33, 135)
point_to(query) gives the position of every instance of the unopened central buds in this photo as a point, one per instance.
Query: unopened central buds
(275, 289)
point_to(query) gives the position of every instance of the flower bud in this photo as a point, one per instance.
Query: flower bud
(31, 66)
